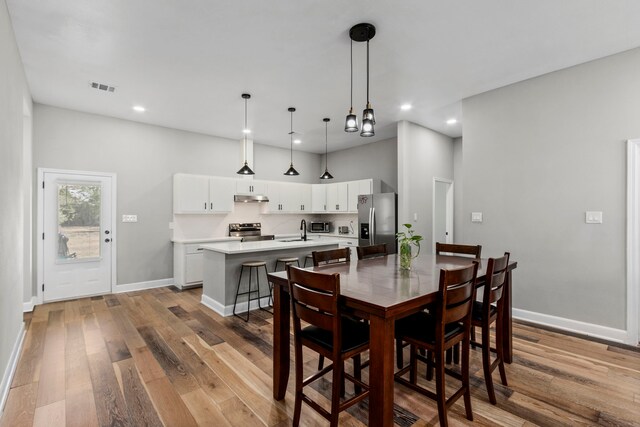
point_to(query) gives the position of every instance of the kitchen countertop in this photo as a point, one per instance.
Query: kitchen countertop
(207, 240)
(343, 236)
(236, 247)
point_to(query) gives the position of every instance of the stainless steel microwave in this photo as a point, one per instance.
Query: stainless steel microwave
(319, 227)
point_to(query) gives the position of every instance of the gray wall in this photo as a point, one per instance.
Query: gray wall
(145, 157)
(14, 93)
(458, 232)
(423, 154)
(537, 155)
(377, 160)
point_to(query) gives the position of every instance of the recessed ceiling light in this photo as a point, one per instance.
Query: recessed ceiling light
(297, 141)
(405, 107)
(139, 108)
(246, 130)
(452, 121)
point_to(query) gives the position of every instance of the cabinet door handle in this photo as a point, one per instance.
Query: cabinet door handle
(199, 249)
(211, 205)
(205, 206)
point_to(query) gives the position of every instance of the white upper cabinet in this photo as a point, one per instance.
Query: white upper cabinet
(318, 197)
(363, 186)
(337, 197)
(287, 197)
(250, 186)
(198, 194)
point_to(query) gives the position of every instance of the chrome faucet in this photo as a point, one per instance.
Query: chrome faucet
(303, 227)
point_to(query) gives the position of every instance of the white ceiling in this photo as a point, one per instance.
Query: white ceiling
(188, 62)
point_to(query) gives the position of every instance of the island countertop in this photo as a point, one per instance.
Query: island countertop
(236, 247)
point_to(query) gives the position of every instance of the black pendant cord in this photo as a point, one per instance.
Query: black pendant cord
(291, 137)
(351, 108)
(244, 131)
(326, 137)
(367, 73)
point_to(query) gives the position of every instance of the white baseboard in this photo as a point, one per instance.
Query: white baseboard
(227, 310)
(129, 287)
(27, 307)
(577, 326)
(10, 370)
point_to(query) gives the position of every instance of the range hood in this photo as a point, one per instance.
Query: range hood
(250, 198)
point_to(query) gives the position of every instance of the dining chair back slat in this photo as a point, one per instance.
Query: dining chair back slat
(372, 251)
(331, 256)
(466, 250)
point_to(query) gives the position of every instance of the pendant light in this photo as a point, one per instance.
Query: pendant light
(326, 174)
(245, 170)
(361, 33)
(291, 171)
(351, 123)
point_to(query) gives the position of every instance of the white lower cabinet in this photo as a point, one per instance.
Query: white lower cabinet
(187, 264)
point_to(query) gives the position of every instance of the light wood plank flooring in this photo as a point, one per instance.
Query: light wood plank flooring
(158, 357)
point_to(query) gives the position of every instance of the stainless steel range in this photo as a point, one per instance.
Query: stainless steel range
(249, 231)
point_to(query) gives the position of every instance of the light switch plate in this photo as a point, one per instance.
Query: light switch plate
(129, 218)
(593, 217)
(476, 216)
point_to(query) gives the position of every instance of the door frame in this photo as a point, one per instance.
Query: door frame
(40, 225)
(633, 241)
(449, 219)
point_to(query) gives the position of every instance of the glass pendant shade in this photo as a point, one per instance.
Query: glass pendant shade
(369, 114)
(367, 128)
(351, 123)
(245, 170)
(291, 171)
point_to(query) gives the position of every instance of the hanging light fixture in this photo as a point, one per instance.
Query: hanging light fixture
(245, 170)
(291, 171)
(326, 174)
(362, 33)
(351, 123)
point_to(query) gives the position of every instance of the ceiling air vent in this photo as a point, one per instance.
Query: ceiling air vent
(102, 86)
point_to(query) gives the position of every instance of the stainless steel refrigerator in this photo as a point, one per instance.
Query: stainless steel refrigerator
(377, 220)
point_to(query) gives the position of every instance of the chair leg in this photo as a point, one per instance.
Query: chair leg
(357, 372)
(429, 366)
(343, 389)
(440, 389)
(449, 357)
(336, 387)
(456, 354)
(500, 353)
(473, 336)
(320, 362)
(413, 363)
(486, 363)
(399, 356)
(297, 407)
(465, 378)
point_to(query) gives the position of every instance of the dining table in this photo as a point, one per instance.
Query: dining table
(377, 289)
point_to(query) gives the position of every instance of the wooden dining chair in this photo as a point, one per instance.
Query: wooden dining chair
(485, 313)
(449, 324)
(314, 300)
(372, 251)
(331, 256)
(473, 251)
(459, 250)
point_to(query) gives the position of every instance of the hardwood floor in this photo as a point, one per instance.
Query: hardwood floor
(158, 357)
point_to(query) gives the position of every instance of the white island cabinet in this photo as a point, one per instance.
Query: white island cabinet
(222, 263)
(188, 258)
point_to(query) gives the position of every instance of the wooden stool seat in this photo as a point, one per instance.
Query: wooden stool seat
(288, 259)
(254, 263)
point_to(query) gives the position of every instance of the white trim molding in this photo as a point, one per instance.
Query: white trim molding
(227, 310)
(570, 325)
(7, 377)
(138, 286)
(27, 307)
(633, 241)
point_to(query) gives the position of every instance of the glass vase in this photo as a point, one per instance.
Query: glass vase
(405, 256)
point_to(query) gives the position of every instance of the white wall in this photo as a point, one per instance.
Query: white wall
(377, 160)
(537, 155)
(458, 232)
(14, 97)
(145, 157)
(423, 154)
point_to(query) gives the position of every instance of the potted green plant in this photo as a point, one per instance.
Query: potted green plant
(405, 240)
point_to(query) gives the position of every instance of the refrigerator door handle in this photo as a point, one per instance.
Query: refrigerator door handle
(370, 225)
(373, 226)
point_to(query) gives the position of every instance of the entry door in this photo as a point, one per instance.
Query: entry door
(442, 211)
(78, 235)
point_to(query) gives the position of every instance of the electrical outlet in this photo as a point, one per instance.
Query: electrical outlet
(129, 218)
(476, 216)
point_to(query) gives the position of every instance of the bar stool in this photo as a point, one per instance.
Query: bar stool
(286, 261)
(250, 265)
(308, 258)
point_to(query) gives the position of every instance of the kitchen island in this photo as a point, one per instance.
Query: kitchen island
(222, 262)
